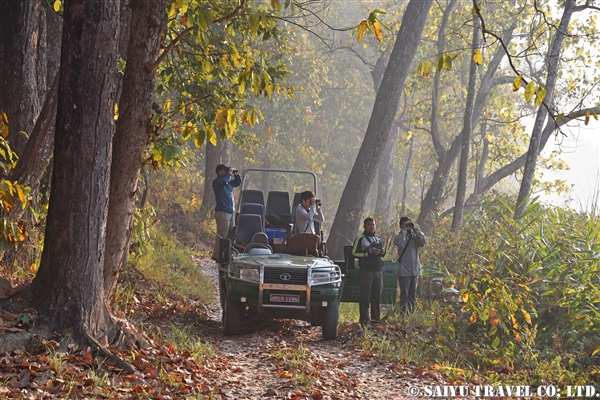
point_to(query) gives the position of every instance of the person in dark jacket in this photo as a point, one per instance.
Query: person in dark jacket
(369, 249)
(408, 241)
(223, 186)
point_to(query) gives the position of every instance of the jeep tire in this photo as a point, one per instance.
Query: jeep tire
(331, 318)
(231, 316)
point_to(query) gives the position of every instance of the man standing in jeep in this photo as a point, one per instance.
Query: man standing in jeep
(368, 248)
(223, 186)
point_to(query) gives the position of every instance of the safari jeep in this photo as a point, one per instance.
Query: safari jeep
(266, 272)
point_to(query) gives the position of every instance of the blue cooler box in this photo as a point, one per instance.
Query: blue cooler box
(276, 236)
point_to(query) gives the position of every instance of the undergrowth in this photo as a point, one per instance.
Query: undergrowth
(515, 302)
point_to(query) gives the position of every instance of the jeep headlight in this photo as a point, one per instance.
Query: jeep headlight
(321, 277)
(248, 274)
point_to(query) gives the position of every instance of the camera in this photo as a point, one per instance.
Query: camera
(235, 171)
(410, 225)
(318, 202)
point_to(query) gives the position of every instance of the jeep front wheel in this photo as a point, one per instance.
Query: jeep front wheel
(231, 316)
(330, 320)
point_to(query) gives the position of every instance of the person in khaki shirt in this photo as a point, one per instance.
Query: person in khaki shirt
(408, 241)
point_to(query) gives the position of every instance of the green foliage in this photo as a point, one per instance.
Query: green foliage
(219, 60)
(530, 289)
(171, 267)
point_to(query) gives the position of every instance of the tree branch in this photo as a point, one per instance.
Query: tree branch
(161, 57)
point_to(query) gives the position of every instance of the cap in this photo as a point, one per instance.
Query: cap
(221, 167)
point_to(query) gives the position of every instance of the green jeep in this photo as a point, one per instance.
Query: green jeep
(257, 276)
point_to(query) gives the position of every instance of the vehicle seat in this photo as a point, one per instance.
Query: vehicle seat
(254, 208)
(248, 226)
(259, 245)
(278, 203)
(304, 244)
(252, 196)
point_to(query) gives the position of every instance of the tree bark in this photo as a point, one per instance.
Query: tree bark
(68, 288)
(133, 131)
(385, 178)
(407, 174)
(552, 59)
(467, 133)
(377, 137)
(19, 75)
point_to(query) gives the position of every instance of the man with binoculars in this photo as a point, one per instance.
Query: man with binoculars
(227, 178)
(408, 241)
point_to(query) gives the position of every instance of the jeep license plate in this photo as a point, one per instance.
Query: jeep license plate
(286, 298)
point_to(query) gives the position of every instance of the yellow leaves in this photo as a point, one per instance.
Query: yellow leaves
(517, 83)
(473, 318)
(56, 5)
(3, 124)
(276, 5)
(540, 95)
(377, 29)
(361, 30)
(526, 315)
(34, 268)
(211, 135)
(221, 118)
(116, 111)
(478, 57)
(529, 91)
(587, 118)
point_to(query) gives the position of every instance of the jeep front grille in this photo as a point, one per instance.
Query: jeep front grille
(286, 276)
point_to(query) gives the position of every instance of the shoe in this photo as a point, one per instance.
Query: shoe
(377, 322)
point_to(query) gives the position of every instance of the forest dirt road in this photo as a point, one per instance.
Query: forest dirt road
(287, 359)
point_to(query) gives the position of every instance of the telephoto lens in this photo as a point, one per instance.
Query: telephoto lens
(318, 202)
(410, 225)
(235, 171)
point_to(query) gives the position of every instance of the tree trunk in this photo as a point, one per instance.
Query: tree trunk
(377, 137)
(133, 133)
(385, 178)
(407, 174)
(552, 59)
(68, 288)
(467, 132)
(20, 95)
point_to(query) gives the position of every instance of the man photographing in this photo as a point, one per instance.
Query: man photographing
(227, 178)
(408, 241)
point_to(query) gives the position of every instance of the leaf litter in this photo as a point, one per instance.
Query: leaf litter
(259, 363)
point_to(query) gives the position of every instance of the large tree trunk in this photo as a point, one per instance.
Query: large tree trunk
(467, 133)
(68, 288)
(552, 59)
(385, 178)
(377, 137)
(133, 133)
(406, 176)
(19, 76)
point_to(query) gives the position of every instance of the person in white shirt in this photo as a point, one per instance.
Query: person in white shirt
(306, 212)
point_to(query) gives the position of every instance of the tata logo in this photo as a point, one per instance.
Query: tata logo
(285, 277)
